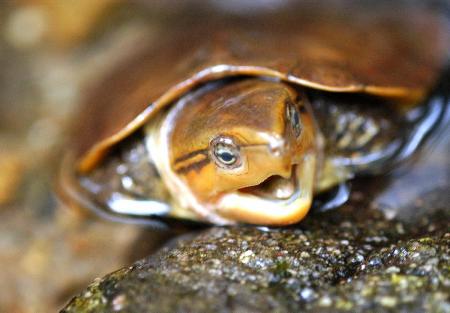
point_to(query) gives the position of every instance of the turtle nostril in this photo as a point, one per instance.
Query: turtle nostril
(276, 151)
(278, 148)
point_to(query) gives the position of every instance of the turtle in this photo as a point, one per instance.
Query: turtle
(229, 119)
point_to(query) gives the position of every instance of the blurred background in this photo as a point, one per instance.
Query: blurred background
(51, 53)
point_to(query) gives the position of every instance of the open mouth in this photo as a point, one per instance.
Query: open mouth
(275, 187)
(275, 201)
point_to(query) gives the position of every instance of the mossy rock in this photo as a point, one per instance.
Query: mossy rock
(334, 262)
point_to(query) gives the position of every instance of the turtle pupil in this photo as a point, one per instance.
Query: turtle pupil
(225, 155)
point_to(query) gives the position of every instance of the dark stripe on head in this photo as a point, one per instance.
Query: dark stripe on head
(191, 155)
(197, 166)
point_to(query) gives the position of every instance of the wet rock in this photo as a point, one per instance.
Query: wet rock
(346, 260)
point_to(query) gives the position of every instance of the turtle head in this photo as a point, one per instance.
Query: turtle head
(242, 151)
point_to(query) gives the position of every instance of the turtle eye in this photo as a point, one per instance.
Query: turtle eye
(293, 116)
(225, 152)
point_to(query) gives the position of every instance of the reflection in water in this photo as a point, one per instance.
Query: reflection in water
(423, 185)
(415, 185)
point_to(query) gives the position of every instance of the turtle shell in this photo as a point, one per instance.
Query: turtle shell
(374, 51)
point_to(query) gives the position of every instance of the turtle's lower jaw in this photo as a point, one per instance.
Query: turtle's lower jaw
(276, 201)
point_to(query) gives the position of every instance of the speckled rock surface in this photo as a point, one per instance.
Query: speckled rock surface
(338, 261)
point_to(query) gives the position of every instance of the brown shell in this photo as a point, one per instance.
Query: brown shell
(377, 51)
